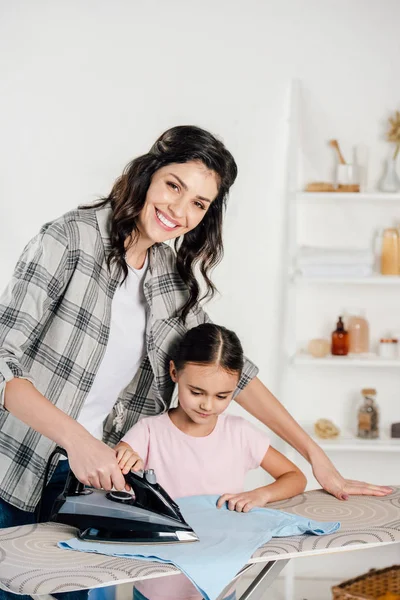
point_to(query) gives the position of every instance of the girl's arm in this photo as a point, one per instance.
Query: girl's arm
(289, 481)
(263, 405)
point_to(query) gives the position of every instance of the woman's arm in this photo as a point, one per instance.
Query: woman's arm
(91, 460)
(39, 279)
(263, 405)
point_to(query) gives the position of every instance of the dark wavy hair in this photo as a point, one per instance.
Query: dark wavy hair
(209, 344)
(203, 245)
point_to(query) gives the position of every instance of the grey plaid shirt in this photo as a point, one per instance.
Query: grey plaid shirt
(54, 326)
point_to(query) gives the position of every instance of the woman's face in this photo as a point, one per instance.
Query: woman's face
(178, 197)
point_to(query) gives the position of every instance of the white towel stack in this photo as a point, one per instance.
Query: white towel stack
(335, 262)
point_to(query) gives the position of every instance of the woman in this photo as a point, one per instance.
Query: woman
(93, 308)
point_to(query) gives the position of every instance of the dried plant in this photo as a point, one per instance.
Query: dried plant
(393, 134)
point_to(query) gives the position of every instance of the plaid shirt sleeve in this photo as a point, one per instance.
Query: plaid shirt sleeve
(38, 279)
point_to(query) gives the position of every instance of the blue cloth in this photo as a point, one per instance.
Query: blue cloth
(227, 541)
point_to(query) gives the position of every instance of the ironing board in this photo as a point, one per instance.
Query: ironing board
(31, 563)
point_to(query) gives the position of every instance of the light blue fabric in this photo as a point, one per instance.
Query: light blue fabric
(227, 541)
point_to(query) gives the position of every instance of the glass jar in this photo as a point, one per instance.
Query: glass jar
(388, 348)
(358, 328)
(390, 252)
(368, 416)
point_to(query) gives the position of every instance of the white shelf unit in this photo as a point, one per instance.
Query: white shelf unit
(296, 366)
(378, 197)
(347, 443)
(372, 280)
(347, 362)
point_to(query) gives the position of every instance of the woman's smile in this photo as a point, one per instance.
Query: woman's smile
(166, 222)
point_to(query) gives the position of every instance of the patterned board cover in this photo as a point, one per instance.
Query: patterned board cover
(31, 562)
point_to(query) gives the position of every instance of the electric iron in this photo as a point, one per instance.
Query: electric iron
(146, 516)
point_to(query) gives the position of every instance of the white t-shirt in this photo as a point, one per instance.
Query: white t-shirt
(124, 353)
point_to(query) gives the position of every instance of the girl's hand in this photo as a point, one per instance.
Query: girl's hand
(333, 482)
(127, 458)
(244, 501)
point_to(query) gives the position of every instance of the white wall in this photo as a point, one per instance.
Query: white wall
(86, 86)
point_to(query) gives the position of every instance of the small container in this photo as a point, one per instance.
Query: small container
(390, 251)
(347, 178)
(368, 416)
(358, 328)
(340, 340)
(388, 348)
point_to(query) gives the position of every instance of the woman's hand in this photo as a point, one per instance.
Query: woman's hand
(94, 463)
(244, 501)
(127, 458)
(332, 481)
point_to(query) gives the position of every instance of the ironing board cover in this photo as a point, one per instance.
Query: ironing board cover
(31, 562)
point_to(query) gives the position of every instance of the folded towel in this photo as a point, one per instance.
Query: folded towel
(227, 541)
(334, 256)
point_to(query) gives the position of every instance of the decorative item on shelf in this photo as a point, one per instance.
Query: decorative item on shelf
(319, 186)
(326, 429)
(390, 181)
(318, 347)
(358, 329)
(368, 416)
(347, 175)
(388, 348)
(398, 257)
(340, 340)
(390, 250)
(395, 430)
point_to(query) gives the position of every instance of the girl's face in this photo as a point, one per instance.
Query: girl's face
(204, 391)
(177, 200)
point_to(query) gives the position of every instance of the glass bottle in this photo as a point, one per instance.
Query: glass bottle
(358, 328)
(390, 252)
(368, 416)
(340, 340)
(398, 255)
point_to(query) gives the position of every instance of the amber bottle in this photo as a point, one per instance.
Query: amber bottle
(340, 340)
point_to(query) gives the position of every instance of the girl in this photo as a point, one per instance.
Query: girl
(196, 449)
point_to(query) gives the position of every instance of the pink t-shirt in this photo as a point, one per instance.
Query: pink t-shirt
(192, 466)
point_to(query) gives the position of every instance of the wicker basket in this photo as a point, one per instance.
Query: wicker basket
(383, 584)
